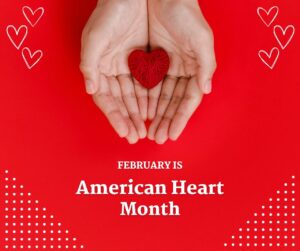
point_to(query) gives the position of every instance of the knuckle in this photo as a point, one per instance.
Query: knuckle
(142, 96)
(214, 65)
(153, 97)
(165, 96)
(192, 98)
(189, 97)
(134, 115)
(176, 100)
(87, 35)
(182, 114)
(159, 116)
(102, 95)
(112, 112)
(84, 33)
(86, 69)
(130, 95)
(167, 118)
(207, 33)
(119, 100)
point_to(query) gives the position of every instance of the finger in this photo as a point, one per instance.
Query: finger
(106, 102)
(205, 54)
(132, 136)
(167, 90)
(166, 94)
(189, 104)
(142, 98)
(115, 88)
(153, 127)
(154, 94)
(92, 47)
(161, 135)
(129, 98)
(116, 92)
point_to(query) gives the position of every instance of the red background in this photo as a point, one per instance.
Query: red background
(245, 134)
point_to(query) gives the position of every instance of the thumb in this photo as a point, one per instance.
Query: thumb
(90, 78)
(91, 50)
(207, 65)
(204, 77)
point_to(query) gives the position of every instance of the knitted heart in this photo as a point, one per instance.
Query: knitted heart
(149, 68)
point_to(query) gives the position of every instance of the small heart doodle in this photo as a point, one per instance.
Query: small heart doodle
(17, 35)
(269, 59)
(31, 59)
(268, 17)
(33, 17)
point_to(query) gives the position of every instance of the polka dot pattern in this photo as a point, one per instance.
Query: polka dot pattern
(272, 226)
(28, 224)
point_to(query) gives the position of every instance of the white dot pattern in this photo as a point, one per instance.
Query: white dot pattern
(28, 224)
(272, 226)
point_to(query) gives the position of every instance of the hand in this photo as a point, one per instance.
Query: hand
(179, 27)
(116, 28)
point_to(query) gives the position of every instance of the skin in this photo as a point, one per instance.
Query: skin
(179, 27)
(114, 30)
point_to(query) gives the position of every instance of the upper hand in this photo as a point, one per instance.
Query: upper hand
(179, 27)
(116, 28)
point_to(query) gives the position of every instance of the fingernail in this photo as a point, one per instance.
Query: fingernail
(207, 87)
(90, 87)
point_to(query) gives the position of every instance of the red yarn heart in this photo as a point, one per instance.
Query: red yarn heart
(149, 68)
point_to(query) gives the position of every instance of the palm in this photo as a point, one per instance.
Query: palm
(124, 34)
(174, 35)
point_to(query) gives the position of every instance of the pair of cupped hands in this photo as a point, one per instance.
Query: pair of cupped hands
(118, 27)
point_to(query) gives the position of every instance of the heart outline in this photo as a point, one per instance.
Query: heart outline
(25, 8)
(31, 55)
(284, 31)
(17, 31)
(269, 55)
(259, 9)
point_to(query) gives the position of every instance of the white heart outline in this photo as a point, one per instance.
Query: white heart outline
(269, 55)
(268, 13)
(17, 31)
(31, 56)
(33, 13)
(283, 32)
